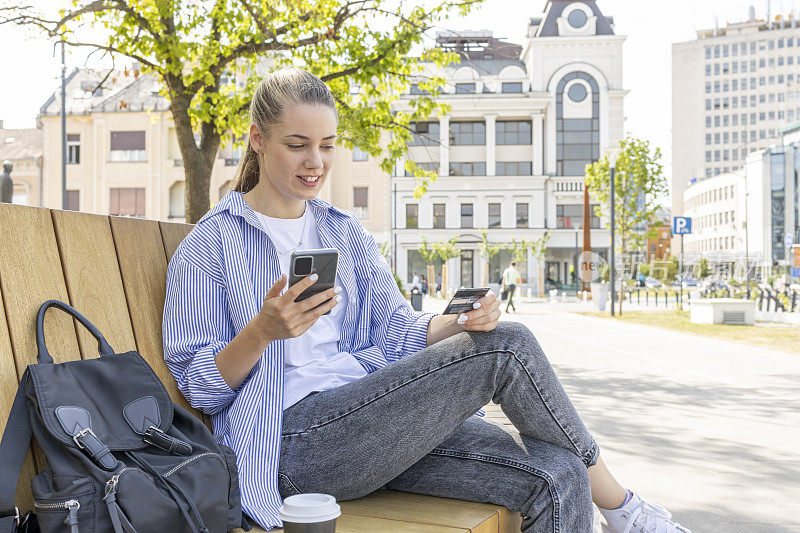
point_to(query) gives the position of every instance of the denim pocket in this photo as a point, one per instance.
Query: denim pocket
(286, 487)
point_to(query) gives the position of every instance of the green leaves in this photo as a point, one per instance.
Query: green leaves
(639, 184)
(374, 45)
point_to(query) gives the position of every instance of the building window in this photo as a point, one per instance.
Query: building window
(359, 154)
(476, 168)
(434, 167)
(513, 168)
(412, 215)
(570, 216)
(73, 200)
(424, 133)
(512, 87)
(177, 200)
(513, 132)
(360, 202)
(466, 215)
(127, 146)
(465, 88)
(494, 215)
(74, 150)
(127, 202)
(778, 204)
(438, 216)
(416, 90)
(467, 133)
(577, 139)
(522, 215)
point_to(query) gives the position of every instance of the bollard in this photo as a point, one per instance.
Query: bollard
(563, 296)
(529, 292)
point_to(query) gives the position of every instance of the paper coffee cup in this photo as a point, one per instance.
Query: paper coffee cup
(309, 513)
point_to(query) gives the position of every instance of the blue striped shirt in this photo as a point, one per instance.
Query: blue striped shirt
(216, 283)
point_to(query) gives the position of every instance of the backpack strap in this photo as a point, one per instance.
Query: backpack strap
(13, 448)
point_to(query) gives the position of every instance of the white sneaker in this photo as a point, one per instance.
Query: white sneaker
(639, 516)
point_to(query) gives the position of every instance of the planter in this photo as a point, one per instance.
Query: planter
(600, 295)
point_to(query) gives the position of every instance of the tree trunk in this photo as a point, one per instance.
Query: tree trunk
(198, 161)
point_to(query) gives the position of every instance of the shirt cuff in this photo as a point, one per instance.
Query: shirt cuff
(416, 337)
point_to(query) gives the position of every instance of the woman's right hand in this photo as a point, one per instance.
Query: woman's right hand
(283, 318)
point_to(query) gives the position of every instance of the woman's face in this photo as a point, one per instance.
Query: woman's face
(298, 155)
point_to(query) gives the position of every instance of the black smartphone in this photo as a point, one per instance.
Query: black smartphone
(323, 261)
(463, 299)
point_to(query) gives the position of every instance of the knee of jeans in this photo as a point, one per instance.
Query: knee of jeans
(571, 477)
(515, 335)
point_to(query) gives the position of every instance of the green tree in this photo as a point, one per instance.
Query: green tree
(639, 184)
(704, 270)
(197, 48)
(487, 251)
(446, 250)
(429, 255)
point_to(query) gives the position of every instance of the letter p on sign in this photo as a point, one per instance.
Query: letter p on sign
(681, 225)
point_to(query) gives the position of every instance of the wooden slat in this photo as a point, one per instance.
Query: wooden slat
(30, 274)
(8, 389)
(396, 505)
(348, 523)
(143, 266)
(172, 233)
(93, 279)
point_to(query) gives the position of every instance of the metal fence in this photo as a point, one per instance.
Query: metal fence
(766, 297)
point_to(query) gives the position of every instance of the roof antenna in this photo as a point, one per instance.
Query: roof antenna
(769, 13)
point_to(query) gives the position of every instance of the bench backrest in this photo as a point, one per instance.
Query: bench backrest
(111, 269)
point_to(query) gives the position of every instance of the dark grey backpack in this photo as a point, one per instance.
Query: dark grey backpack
(121, 456)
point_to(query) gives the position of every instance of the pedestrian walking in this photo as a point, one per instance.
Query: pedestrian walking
(511, 277)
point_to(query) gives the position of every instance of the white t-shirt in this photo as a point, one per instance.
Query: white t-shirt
(313, 360)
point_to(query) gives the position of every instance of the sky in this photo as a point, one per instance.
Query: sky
(30, 64)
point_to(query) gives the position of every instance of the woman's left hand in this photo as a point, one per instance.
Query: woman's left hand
(485, 317)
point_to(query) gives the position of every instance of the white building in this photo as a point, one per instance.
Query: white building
(747, 213)
(717, 209)
(774, 198)
(524, 122)
(732, 89)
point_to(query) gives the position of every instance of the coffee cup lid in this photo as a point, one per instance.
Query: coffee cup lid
(309, 508)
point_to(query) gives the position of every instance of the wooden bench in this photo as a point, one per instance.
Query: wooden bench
(113, 270)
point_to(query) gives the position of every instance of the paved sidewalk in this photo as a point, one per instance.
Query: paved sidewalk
(708, 428)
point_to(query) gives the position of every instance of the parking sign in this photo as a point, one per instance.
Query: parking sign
(681, 225)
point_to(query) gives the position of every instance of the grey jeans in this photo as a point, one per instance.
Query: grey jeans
(410, 427)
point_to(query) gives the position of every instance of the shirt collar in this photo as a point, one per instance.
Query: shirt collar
(233, 202)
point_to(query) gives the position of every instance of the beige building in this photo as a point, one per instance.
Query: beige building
(23, 149)
(123, 156)
(732, 89)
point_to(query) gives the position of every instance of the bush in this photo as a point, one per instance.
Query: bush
(644, 269)
(399, 283)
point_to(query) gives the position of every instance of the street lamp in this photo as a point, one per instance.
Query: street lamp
(612, 152)
(576, 226)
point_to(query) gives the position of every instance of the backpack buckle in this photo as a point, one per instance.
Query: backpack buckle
(81, 434)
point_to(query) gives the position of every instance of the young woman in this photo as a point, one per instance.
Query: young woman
(372, 395)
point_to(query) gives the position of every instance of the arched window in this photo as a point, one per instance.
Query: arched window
(577, 123)
(177, 200)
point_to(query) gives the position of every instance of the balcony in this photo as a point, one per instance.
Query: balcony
(568, 185)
